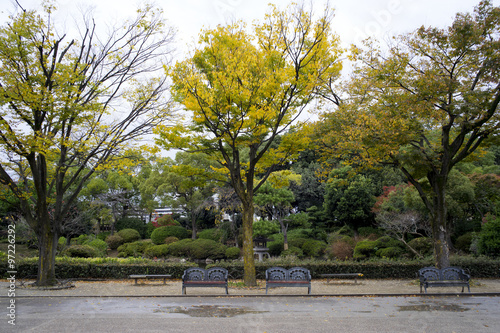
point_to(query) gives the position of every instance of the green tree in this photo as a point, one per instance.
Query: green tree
(69, 107)
(276, 204)
(423, 106)
(188, 183)
(245, 90)
(349, 199)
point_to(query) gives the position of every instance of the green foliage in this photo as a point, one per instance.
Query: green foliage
(297, 242)
(102, 268)
(98, 244)
(61, 243)
(364, 249)
(265, 228)
(213, 234)
(390, 252)
(233, 253)
(171, 239)
(275, 247)
(293, 251)
(131, 223)
(314, 248)
(206, 248)
(181, 248)
(489, 237)
(81, 251)
(114, 241)
(82, 239)
(159, 235)
(464, 242)
(157, 251)
(103, 235)
(422, 245)
(134, 249)
(368, 231)
(129, 235)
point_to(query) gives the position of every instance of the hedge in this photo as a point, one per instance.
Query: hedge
(103, 268)
(87, 269)
(380, 269)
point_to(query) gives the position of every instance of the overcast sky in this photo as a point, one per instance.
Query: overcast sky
(354, 19)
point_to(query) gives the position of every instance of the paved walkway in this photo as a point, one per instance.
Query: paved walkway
(128, 288)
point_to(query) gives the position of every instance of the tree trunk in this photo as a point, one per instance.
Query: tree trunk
(439, 223)
(47, 247)
(248, 255)
(193, 225)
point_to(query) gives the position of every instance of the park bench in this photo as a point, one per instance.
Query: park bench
(445, 277)
(150, 276)
(199, 277)
(341, 275)
(293, 277)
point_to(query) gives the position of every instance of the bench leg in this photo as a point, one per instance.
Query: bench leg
(135, 281)
(183, 290)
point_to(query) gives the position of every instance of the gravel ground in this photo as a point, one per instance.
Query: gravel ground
(173, 288)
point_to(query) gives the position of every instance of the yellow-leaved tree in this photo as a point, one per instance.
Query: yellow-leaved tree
(68, 107)
(242, 91)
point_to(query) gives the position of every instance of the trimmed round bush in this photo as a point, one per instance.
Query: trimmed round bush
(293, 251)
(134, 249)
(233, 253)
(387, 241)
(422, 245)
(364, 249)
(129, 235)
(157, 251)
(98, 244)
(171, 239)
(81, 251)
(180, 248)
(114, 241)
(80, 240)
(390, 252)
(314, 248)
(206, 248)
(159, 235)
(213, 234)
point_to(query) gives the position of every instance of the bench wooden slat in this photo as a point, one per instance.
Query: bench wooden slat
(150, 276)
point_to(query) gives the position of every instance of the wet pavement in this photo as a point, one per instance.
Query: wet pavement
(255, 314)
(337, 306)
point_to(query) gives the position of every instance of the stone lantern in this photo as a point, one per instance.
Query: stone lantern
(260, 247)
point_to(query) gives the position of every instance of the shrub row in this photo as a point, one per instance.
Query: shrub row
(478, 267)
(110, 270)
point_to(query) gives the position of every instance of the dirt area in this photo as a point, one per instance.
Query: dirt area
(319, 287)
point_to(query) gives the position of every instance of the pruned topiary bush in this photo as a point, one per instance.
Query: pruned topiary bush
(81, 251)
(98, 244)
(134, 249)
(314, 248)
(159, 235)
(233, 253)
(157, 251)
(129, 235)
(364, 249)
(422, 245)
(213, 234)
(293, 251)
(114, 241)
